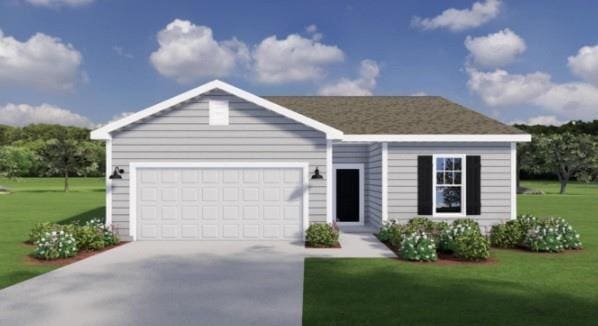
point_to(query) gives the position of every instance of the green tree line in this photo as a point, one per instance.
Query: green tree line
(565, 152)
(39, 150)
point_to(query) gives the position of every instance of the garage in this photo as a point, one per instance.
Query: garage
(218, 201)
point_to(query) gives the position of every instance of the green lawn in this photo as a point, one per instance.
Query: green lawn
(36, 200)
(521, 288)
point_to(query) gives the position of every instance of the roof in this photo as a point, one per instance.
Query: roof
(367, 118)
(400, 115)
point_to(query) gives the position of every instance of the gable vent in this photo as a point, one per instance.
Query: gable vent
(218, 112)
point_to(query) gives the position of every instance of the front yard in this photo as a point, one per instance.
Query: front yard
(519, 288)
(34, 200)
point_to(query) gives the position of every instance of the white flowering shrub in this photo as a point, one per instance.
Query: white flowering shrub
(544, 237)
(458, 228)
(108, 234)
(527, 222)
(418, 246)
(55, 245)
(570, 239)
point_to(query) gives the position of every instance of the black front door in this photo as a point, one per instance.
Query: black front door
(347, 195)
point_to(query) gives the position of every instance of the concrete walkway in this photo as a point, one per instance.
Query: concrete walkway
(166, 283)
(356, 242)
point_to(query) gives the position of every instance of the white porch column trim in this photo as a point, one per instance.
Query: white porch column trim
(513, 180)
(108, 181)
(329, 181)
(384, 182)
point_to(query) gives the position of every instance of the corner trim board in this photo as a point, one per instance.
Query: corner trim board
(513, 180)
(384, 182)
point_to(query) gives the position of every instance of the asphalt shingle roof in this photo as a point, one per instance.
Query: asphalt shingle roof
(393, 115)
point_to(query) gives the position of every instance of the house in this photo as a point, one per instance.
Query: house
(217, 162)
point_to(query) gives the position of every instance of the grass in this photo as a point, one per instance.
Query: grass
(34, 200)
(521, 288)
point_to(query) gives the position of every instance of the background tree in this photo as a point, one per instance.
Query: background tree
(16, 161)
(65, 156)
(565, 155)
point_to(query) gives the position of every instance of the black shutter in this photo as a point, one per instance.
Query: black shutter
(424, 185)
(473, 185)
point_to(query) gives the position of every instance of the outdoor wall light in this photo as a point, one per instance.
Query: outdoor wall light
(317, 174)
(116, 174)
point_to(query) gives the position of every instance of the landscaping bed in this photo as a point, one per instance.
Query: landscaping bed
(83, 254)
(322, 235)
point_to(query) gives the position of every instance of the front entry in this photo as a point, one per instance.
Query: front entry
(348, 193)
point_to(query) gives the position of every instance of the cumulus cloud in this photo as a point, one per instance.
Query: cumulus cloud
(500, 88)
(59, 3)
(42, 61)
(361, 86)
(293, 59)
(585, 64)
(575, 100)
(313, 31)
(122, 52)
(460, 19)
(495, 50)
(188, 52)
(24, 114)
(546, 120)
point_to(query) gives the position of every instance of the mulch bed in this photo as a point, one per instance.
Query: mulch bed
(30, 260)
(337, 245)
(444, 259)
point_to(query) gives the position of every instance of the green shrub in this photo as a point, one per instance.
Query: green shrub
(386, 230)
(527, 222)
(55, 245)
(397, 235)
(457, 228)
(321, 235)
(507, 235)
(109, 235)
(418, 246)
(545, 236)
(569, 237)
(40, 229)
(89, 237)
(471, 246)
(424, 224)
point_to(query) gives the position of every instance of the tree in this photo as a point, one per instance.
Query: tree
(65, 156)
(16, 161)
(565, 155)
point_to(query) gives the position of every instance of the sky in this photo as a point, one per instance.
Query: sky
(87, 62)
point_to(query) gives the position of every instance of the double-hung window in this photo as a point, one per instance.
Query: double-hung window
(449, 184)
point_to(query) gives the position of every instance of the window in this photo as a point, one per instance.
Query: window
(449, 183)
(218, 112)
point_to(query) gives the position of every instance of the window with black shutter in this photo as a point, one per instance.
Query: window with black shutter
(424, 185)
(473, 185)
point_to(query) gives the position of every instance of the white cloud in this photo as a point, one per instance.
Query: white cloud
(122, 52)
(420, 93)
(24, 114)
(546, 120)
(585, 64)
(188, 52)
(362, 86)
(293, 59)
(59, 3)
(313, 31)
(495, 50)
(575, 100)
(500, 88)
(42, 61)
(460, 19)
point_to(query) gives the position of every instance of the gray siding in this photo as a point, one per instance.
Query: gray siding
(374, 185)
(495, 177)
(182, 134)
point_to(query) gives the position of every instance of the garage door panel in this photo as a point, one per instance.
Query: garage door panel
(220, 204)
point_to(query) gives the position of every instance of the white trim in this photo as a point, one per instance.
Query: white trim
(104, 132)
(329, 181)
(134, 166)
(463, 212)
(513, 181)
(384, 182)
(437, 138)
(108, 172)
(356, 166)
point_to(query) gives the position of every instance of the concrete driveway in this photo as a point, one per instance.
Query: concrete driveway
(166, 283)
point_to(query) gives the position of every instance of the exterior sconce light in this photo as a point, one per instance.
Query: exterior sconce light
(317, 174)
(116, 174)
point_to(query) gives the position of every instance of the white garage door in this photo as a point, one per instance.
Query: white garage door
(219, 203)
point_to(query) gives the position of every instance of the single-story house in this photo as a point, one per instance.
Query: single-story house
(220, 163)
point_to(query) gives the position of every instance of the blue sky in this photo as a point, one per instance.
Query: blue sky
(524, 61)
